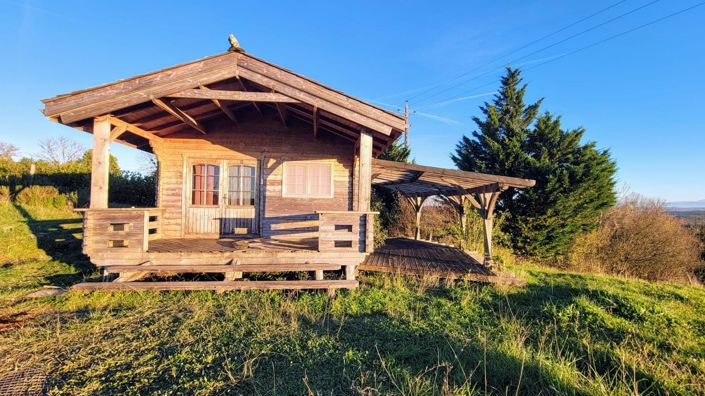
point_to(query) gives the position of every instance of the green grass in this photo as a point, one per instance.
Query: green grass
(562, 333)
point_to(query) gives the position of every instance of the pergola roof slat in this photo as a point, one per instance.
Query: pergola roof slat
(423, 181)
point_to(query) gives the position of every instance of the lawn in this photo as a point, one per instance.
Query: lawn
(562, 333)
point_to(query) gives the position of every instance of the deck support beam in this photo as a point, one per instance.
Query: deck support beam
(100, 163)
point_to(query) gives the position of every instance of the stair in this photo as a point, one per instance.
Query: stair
(218, 286)
(202, 269)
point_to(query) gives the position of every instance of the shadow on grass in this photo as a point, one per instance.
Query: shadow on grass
(56, 238)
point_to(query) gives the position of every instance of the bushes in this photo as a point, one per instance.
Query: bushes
(638, 238)
(45, 196)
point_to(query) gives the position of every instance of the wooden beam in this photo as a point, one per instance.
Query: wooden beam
(242, 96)
(105, 99)
(100, 163)
(244, 88)
(303, 85)
(135, 130)
(117, 131)
(176, 112)
(282, 112)
(365, 171)
(314, 119)
(313, 100)
(229, 113)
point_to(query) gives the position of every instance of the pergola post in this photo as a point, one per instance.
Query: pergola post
(100, 165)
(417, 203)
(485, 204)
(364, 191)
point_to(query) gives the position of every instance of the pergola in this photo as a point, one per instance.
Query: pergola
(417, 183)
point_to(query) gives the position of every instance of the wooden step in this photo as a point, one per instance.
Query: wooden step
(218, 285)
(223, 268)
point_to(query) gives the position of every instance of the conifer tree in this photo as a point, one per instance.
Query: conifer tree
(574, 181)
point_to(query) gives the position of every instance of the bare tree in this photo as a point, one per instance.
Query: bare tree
(8, 150)
(148, 163)
(60, 150)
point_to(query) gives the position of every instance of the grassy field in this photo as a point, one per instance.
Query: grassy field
(562, 333)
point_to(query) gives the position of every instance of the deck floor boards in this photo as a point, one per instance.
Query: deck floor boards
(408, 256)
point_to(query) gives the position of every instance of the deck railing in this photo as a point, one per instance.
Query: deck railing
(346, 231)
(120, 230)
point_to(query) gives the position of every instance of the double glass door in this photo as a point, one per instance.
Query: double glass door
(222, 198)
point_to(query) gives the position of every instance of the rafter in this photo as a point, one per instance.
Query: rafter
(315, 122)
(244, 88)
(229, 113)
(176, 112)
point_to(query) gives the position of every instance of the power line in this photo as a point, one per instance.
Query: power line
(612, 37)
(546, 47)
(620, 34)
(434, 86)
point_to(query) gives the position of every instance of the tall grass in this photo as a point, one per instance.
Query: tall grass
(562, 333)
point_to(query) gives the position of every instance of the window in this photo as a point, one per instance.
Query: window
(241, 185)
(206, 179)
(308, 180)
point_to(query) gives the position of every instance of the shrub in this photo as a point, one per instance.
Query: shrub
(638, 238)
(4, 194)
(41, 196)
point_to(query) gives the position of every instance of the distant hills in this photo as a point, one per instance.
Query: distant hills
(686, 205)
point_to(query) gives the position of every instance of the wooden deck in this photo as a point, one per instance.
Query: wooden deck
(408, 256)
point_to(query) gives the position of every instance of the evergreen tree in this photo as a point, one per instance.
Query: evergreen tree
(574, 181)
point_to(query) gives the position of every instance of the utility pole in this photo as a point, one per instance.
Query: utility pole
(406, 129)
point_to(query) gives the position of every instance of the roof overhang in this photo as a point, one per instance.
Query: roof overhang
(180, 99)
(414, 180)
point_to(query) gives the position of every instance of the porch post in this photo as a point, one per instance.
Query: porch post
(100, 166)
(364, 190)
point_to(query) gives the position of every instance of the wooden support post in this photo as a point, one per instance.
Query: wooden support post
(417, 203)
(350, 272)
(417, 207)
(100, 166)
(486, 205)
(365, 172)
(318, 274)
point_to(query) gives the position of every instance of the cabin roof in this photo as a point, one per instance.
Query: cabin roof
(414, 180)
(184, 98)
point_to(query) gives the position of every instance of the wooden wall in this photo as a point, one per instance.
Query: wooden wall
(266, 140)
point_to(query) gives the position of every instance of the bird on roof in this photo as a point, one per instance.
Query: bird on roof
(234, 44)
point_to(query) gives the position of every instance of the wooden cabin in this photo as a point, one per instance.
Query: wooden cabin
(259, 170)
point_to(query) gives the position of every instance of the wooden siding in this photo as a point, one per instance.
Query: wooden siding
(268, 142)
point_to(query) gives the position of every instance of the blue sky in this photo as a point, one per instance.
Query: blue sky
(639, 95)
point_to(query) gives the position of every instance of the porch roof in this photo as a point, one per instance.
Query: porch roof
(183, 99)
(413, 180)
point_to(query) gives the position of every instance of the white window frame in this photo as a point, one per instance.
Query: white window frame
(285, 194)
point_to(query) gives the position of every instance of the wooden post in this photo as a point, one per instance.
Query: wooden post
(100, 163)
(350, 272)
(365, 172)
(417, 203)
(486, 205)
(318, 274)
